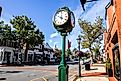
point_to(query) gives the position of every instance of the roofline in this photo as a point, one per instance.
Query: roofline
(107, 6)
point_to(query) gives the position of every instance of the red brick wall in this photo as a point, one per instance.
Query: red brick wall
(114, 23)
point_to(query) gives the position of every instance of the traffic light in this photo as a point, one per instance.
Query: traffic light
(0, 11)
(82, 3)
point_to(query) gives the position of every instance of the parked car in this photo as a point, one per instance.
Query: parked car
(76, 61)
(52, 60)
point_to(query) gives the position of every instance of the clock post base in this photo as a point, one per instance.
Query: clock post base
(63, 73)
(63, 67)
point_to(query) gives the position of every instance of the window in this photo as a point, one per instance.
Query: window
(1, 55)
(30, 56)
(5, 56)
(117, 64)
(15, 57)
(116, 61)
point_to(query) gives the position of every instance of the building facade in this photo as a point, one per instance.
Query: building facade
(112, 36)
(40, 54)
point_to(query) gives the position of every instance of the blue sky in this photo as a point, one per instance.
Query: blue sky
(42, 11)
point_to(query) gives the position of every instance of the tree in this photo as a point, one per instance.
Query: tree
(58, 52)
(39, 37)
(91, 33)
(96, 50)
(74, 53)
(6, 35)
(68, 53)
(26, 32)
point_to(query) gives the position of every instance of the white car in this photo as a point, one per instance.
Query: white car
(77, 61)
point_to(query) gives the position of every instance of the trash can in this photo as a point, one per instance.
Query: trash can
(87, 66)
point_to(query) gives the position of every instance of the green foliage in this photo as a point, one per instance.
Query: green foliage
(75, 49)
(6, 34)
(68, 52)
(91, 33)
(87, 54)
(26, 31)
(57, 52)
(108, 63)
(96, 50)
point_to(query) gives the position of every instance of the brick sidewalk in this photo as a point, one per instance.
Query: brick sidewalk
(96, 73)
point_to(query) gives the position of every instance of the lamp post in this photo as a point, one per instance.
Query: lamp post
(79, 40)
(63, 21)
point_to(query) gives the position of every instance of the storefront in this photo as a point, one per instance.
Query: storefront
(116, 60)
(112, 36)
(6, 55)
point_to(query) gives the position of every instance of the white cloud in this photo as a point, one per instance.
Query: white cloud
(93, 10)
(6, 18)
(50, 41)
(54, 35)
(56, 44)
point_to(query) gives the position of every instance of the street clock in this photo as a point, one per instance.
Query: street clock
(64, 20)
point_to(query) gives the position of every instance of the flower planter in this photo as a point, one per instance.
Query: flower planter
(87, 66)
(110, 73)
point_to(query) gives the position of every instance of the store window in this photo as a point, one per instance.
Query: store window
(116, 61)
(1, 55)
(30, 57)
(5, 56)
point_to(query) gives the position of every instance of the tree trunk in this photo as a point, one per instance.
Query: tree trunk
(26, 51)
(91, 55)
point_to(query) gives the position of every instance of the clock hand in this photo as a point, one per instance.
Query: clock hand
(61, 17)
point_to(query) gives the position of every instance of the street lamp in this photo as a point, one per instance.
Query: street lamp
(79, 55)
(64, 22)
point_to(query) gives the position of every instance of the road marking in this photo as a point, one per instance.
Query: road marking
(44, 79)
(36, 79)
(39, 78)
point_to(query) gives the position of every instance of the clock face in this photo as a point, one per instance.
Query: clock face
(72, 19)
(61, 17)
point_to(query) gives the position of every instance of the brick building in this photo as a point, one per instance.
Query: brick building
(112, 37)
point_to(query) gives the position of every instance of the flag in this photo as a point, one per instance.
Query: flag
(69, 44)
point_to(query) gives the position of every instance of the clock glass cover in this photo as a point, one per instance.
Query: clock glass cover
(72, 19)
(61, 17)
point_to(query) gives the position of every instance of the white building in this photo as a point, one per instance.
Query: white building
(10, 55)
(6, 55)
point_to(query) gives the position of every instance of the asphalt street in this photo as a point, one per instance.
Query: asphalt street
(34, 73)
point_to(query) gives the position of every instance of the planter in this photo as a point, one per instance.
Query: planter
(110, 73)
(87, 66)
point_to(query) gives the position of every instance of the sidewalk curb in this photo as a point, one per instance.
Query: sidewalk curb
(73, 77)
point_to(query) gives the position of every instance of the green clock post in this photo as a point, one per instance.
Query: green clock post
(64, 22)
